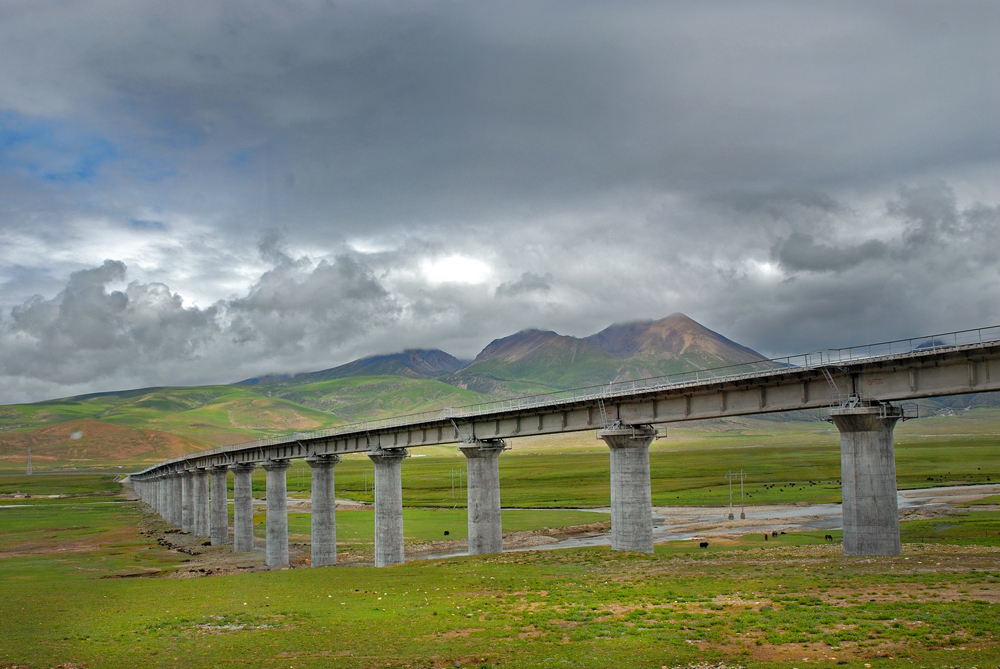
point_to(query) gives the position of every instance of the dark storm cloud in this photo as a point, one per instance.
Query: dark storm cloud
(801, 252)
(87, 332)
(794, 175)
(528, 283)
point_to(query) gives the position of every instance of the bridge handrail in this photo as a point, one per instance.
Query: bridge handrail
(741, 371)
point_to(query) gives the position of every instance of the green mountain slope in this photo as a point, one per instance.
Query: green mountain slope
(362, 397)
(414, 363)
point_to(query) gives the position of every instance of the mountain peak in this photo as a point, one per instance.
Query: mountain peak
(522, 344)
(676, 335)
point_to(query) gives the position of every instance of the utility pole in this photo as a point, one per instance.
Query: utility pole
(743, 514)
(729, 475)
(732, 475)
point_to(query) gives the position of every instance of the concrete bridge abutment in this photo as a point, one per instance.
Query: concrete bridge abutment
(243, 507)
(324, 505)
(276, 552)
(388, 505)
(483, 465)
(631, 499)
(220, 506)
(868, 478)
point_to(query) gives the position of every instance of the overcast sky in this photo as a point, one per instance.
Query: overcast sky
(197, 192)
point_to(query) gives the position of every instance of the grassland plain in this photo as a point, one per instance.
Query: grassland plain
(787, 603)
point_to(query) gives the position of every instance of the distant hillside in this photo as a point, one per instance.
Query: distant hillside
(675, 336)
(360, 397)
(414, 363)
(88, 440)
(540, 359)
(546, 360)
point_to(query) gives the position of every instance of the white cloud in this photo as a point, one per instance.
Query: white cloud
(455, 268)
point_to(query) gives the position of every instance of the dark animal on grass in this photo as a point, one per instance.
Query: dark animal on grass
(703, 544)
(828, 537)
(446, 533)
(765, 536)
(774, 533)
(782, 532)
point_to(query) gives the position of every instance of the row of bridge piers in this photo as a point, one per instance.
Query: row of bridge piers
(196, 500)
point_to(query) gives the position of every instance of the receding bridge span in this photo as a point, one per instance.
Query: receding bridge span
(858, 385)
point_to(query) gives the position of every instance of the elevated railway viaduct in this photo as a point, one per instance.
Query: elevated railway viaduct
(859, 386)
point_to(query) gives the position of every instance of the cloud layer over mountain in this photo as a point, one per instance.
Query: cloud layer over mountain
(196, 193)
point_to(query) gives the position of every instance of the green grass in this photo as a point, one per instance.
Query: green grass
(739, 601)
(978, 528)
(364, 397)
(357, 527)
(60, 483)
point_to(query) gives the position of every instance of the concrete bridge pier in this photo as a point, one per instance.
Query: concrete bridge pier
(631, 500)
(199, 484)
(162, 503)
(276, 554)
(176, 495)
(220, 506)
(388, 505)
(868, 478)
(324, 504)
(187, 501)
(243, 507)
(483, 465)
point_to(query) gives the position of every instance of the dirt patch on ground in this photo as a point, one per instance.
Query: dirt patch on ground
(512, 540)
(87, 439)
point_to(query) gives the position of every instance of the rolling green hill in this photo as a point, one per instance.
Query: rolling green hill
(360, 397)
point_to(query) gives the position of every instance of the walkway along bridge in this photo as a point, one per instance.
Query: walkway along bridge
(858, 386)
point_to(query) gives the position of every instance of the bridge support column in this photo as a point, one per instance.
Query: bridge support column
(220, 506)
(631, 500)
(199, 481)
(868, 478)
(483, 464)
(168, 492)
(187, 501)
(324, 504)
(277, 513)
(176, 496)
(243, 507)
(388, 506)
(162, 496)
